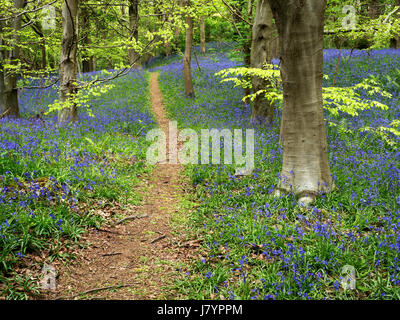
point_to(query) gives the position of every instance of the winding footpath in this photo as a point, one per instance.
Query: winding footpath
(139, 258)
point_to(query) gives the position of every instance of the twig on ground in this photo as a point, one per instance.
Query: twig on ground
(108, 231)
(95, 290)
(5, 113)
(158, 239)
(130, 218)
(111, 254)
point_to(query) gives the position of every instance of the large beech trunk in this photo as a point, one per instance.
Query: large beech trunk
(203, 34)
(187, 59)
(305, 169)
(275, 48)
(12, 58)
(68, 61)
(134, 56)
(261, 53)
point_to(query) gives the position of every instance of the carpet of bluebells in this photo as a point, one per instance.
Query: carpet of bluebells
(261, 247)
(52, 178)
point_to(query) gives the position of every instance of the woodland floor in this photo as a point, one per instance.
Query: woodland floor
(139, 258)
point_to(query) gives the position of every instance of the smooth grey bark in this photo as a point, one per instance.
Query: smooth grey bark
(187, 59)
(305, 168)
(261, 53)
(68, 61)
(203, 34)
(134, 57)
(275, 48)
(12, 58)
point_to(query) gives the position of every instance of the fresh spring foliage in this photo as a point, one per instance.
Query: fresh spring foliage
(349, 100)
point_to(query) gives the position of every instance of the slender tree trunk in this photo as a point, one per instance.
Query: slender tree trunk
(44, 55)
(94, 63)
(2, 89)
(2, 57)
(395, 42)
(247, 62)
(40, 32)
(187, 59)
(10, 76)
(167, 43)
(134, 57)
(203, 34)
(68, 61)
(237, 13)
(37, 28)
(375, 9)
(305, 169)
(87, 61)
(177, 31)
(261, 53)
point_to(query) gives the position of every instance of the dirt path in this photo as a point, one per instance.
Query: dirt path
(143, 252)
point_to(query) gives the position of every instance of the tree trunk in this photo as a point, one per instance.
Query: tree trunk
(134, 57)
(12, 58)
(37, 28)
(2, 89)
(167, 42)
(247, 62)
(68, 62)
(44, 55)
(275, 48)
(305, 169)
(374, 9)
(187, 72)
(261, 53)
(87, 61)
(203, 34)
(94, 63)
(2, 56)
(395, 42)
(245, 38)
